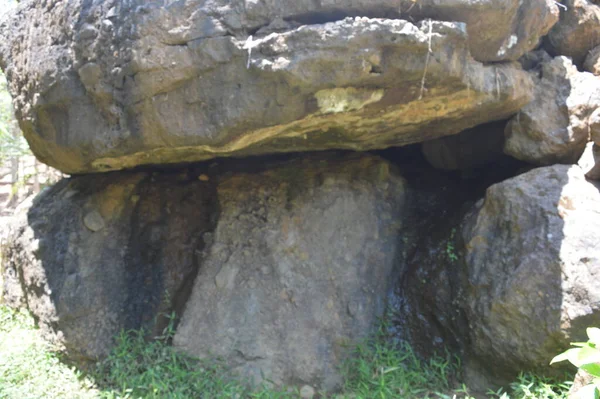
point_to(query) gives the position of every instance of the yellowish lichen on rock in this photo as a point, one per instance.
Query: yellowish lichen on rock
(346, 99)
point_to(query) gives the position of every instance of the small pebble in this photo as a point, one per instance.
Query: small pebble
(307, 392)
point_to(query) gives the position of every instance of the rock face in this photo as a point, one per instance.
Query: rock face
(294, 261)
(590, 161)
(555, 126)
(276, 265)
(506, 282)
(578, 30)
(98, 254)
(299, 266)
(533, 264)
(113, 85)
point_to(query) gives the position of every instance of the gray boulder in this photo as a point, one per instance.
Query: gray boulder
(299, 267)
(577, 32)
(498, 30)
(102, 86)
(286, 262)
(533, 266)
(555, 126)
(97, 254)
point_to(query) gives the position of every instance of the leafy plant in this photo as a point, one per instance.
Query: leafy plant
(586, 356)
(530, 386)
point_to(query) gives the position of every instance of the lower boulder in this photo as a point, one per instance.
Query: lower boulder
(533, 270)
(298, 267)
(98, 254)
(286, 262)
(506, 282)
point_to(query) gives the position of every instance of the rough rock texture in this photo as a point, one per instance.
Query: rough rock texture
(299, 266)
(108, 85)
(577, 32)
(592, 61)
(468, 149)
(594, 125)
(295, 260)
(498, 30)
(533, 264)
(98, 254)
(590, 161)
(555, 126)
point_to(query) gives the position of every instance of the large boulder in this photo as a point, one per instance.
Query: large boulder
(506, 282)
(299, 267)
(578, 30)
(102, 86)
(533, 270)
(286, 262)
(556, 125)
(498, 30)
(94, 255)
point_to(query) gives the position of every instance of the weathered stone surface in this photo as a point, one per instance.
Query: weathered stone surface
(112, 85)
(498, 30)
(468, 149)
(555, 126)
(299, 266)
(590, 161)
(98, 254)
(533, 266)
(592, 61)
(594, 125)
(577, 32)
(295, 259)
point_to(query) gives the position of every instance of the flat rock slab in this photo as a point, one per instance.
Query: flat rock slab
(104, 87)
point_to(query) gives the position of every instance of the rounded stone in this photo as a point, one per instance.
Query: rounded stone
(93, 221)
(307, 392)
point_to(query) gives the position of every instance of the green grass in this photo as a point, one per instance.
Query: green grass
(30, 369)
(138, 368)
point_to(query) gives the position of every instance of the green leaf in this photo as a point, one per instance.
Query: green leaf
(587, 355)
(594, 335)
(570, 355)
(592, 368)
